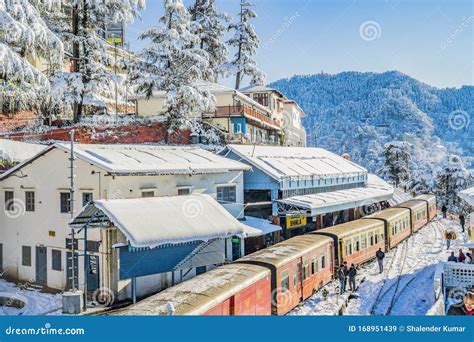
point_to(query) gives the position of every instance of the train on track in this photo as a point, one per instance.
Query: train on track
(278, 278)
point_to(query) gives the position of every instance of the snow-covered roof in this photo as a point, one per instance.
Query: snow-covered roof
(296, 162)
(259, 88)
(151, 222)
(148, 159)
(376, 191)
(17, 151)
(467, 195)
(399, 196)
(257, 226)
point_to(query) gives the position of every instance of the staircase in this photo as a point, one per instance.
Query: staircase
(198, 250)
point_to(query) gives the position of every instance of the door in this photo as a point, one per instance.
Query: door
(41, 266)
(1, 258)
(93, 275)
(69, 270)
(299, 279)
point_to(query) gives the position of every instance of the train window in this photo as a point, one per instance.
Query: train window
(323, 261)
(371, 239)
(295, 272)
(306, 273)
(363, 241)
(376, 238)
(357, 246)
(314, 266)
(348, 247)
(285, 281)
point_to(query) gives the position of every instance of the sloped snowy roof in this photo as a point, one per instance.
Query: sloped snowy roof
(399, 196)
(147, 159)
(467, 195)
(17, 151)
(256, 226)
(259, 88)
(296, 162)
(376, 191)
(151, 222)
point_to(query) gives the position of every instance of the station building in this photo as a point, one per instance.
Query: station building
(304, 189)
(35, 241)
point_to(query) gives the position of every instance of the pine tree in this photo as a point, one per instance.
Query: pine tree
(173, 63)
(246, 42)
(210, 26)
(396, 166)
(25, 37)
(452, 178)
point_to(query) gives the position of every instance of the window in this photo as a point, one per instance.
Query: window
(363, 242)
(371, 239)
(56, 259)
(323, 261)
(348, 247)
(261, 98)
(285, 281)
(69, 244)
(9, 205)
(86, 198)
(357, 245)
(237, 128)
(65, 202)
(93, 246)
(29, 200)
(314, 266)
(26, 255)
(184, 191)
(226, 194)
(295, 271)
(376, 238)
(306, 273)
(146, 194)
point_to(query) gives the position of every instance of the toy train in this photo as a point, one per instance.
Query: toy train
(276, 279)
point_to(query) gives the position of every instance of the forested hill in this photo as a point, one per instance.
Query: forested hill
(359, 112)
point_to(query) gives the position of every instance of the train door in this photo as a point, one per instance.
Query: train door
(299, 279)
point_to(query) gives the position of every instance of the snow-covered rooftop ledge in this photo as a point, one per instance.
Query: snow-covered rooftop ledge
(467, 195)
(17, 151)
(376, 190)
(152, 222)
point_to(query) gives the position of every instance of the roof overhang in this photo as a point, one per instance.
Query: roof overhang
(467, 195)
(254, 227)
(376, 191)
(152, 222)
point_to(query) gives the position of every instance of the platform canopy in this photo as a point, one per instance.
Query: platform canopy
(376, 191)
(467, 195)
(282, 163)
(254, 226)
(156, 221)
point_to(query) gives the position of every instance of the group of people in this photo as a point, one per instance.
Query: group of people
(463, 258)
(344, 273)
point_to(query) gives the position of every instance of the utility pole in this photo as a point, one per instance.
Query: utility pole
(72, 190)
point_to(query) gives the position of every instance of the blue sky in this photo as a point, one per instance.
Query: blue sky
(430, 40)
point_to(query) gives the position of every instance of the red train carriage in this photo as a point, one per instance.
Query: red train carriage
(299, 267)
(233, 289)
(418, 213)
(431, 204)
(357, 241)
(397, 224)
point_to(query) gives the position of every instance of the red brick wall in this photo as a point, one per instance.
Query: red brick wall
(18, 120)
(126, 134)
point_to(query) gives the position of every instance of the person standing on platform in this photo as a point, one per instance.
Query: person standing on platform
(462, 221)
(352, 277)
(380, 255)
(444, 210)
(342, 276)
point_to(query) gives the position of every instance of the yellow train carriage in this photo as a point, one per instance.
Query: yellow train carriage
(397, 224)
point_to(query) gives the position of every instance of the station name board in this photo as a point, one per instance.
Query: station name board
(295, 221)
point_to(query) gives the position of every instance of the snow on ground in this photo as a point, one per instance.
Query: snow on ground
(36, 302)
(405, 287)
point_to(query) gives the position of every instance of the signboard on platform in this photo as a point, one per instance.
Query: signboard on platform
(295, 221)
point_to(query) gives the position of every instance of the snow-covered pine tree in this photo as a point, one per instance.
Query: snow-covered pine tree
(173, 63)
(95, 79)
(24, 39)
(396, 168)
(452, 178)
(210, 26)
(246, 43)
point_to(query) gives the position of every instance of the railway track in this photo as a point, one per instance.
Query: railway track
(434, 249)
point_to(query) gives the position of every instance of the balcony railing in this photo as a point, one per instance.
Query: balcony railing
(241, 110)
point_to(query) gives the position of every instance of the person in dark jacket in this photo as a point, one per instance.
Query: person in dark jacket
(452, 258)
(342, 278)
(444, 210)
(346, 271)
(352, 277)
(380, 255)
(461, 256)
(462, 221)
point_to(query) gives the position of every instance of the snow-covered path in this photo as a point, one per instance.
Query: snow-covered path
(405, 287)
